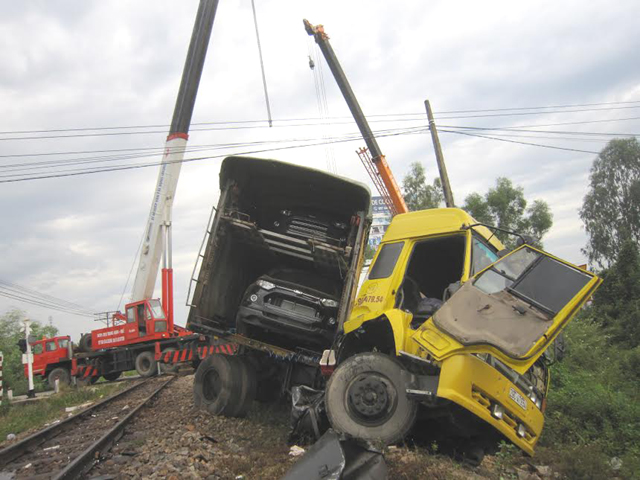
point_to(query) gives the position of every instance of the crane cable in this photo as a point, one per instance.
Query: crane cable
(264, 77)
(321, 101)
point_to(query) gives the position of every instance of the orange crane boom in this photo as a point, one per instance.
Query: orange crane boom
(373, 160)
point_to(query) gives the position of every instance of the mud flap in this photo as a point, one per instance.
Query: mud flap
(331, 458)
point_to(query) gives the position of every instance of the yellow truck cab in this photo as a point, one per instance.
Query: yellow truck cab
(449, 328)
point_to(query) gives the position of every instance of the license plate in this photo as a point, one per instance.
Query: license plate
(519, 399)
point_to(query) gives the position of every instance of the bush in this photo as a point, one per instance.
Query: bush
(593, 409)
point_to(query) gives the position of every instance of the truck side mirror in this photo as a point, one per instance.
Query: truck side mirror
(526, 239)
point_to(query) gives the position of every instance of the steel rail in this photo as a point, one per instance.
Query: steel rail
(87, 459)
(16, 450)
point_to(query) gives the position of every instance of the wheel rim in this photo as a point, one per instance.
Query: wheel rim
(211, 385)
(371, 399)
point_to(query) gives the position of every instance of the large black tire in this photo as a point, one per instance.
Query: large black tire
(169, 367)
(62, 374)
(146, 364)
(110, 377)
(217, 385)
(248, 383)
(366, 398)
(84, 345)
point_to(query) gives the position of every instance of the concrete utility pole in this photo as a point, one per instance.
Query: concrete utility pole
(444, 177)
(29, 360)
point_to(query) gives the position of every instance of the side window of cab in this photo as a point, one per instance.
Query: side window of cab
(482, 255)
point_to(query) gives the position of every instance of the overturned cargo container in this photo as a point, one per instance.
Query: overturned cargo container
(279, 271)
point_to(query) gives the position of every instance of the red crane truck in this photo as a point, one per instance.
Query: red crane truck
(137, 338)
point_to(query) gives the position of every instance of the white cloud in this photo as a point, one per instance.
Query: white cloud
(74, 64)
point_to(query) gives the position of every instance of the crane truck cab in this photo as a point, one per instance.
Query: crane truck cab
(449, 327)
(51, 358)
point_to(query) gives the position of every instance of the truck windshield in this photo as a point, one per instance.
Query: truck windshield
(537, 279)
(156, 309)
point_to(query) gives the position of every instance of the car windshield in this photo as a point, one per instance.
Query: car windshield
(156, 309)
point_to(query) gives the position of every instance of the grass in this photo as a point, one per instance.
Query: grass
(21, 417)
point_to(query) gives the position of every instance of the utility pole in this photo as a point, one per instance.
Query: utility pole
(27, 333)
(444, 177)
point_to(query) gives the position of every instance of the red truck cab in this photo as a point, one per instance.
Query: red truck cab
(48, 352)
(144, 321)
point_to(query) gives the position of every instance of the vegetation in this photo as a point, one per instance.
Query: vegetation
(504, 206)
(611, 208)
(418, 194)
(13, 370)
(593, 410)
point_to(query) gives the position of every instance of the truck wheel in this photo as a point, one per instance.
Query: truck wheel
(217, 385)
(146, 364)
(248, 384)
(110, 377)
(61, 374)
(365, 398)
(169, 367)
(84, 345)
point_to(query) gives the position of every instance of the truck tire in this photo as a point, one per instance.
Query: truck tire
(217, 386)
(110, 377)
(248, 383)
(146, 364)
(61, 374)
(169, 367)
(366, 398)
(84, 345)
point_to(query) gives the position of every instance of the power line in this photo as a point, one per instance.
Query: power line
(28, 295)
(21, 169)
(518, 142)
(131, 167)
(310, 121)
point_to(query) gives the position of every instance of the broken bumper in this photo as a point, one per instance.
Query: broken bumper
(479, 388)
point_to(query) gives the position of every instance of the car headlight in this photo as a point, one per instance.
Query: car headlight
(497, 411)
(266, 285)
(327, 302)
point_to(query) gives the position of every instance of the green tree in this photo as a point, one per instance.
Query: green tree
(504, 206)
(13, 370)
(616, 304)
(611, 209)
(418, 194)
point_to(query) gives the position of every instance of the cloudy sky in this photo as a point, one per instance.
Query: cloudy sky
(96, 81)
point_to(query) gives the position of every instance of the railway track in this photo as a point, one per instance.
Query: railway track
(72, 447)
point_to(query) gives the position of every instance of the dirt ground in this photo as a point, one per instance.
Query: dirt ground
(172, 439)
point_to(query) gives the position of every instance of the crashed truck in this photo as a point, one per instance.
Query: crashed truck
(448, 332)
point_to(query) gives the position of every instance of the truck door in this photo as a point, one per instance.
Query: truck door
(516, 306)
(142, 320)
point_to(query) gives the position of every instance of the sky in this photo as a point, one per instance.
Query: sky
(96, 82)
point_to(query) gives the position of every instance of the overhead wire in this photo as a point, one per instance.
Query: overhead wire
(515, 141)
(28, 295)
(308, 121)
(187, 160)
